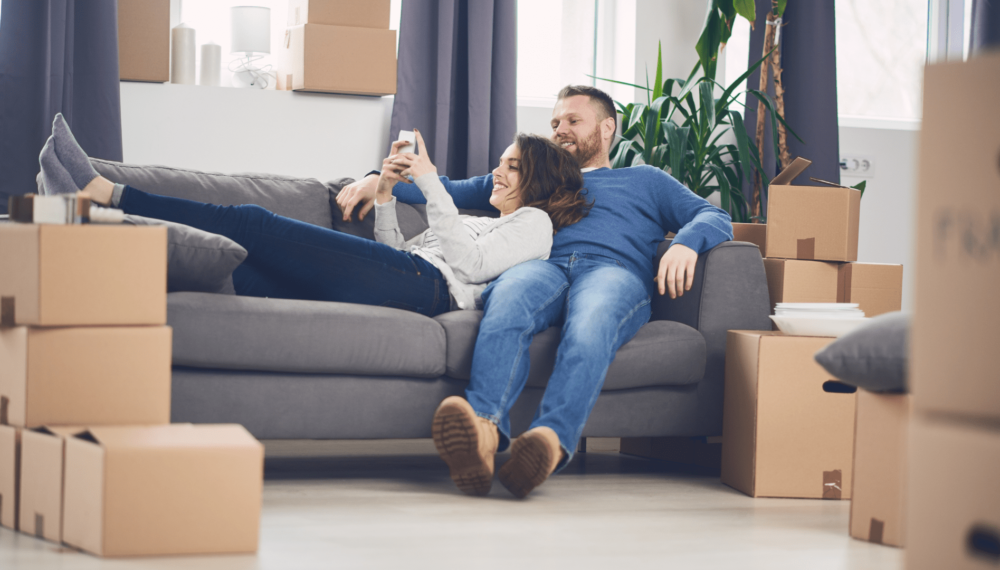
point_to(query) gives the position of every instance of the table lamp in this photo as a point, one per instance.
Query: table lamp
(251, 36)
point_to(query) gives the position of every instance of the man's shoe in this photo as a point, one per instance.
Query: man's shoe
(467, 443)
(533, 457)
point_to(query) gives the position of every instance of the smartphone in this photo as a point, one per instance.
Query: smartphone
(409, 137)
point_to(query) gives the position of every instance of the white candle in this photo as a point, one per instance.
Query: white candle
(211, 64)
(182, 55)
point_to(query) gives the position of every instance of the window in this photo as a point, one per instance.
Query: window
(881, 50)
(555, 47)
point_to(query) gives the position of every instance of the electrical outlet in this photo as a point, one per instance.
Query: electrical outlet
(857, 165)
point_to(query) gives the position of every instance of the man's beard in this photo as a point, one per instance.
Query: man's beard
(588, 148)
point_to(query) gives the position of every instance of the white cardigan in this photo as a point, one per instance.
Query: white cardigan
(468, 264)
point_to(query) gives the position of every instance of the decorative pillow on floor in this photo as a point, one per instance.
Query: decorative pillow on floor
(197, 260)
(873, 357)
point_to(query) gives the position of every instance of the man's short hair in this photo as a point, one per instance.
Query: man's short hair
(603, 100)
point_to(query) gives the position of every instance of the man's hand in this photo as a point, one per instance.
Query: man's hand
(676, 273)
(363, 191)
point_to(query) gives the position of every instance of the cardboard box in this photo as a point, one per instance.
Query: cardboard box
(787, 426)
(956, 312)
(811, 222)
(41, 494)
(144, 40)
(10, 475)
(84, 375)
(878, 496)
(752, 233)
(877, 288)
(953, 501)
(83, 275)
(326, 59)
(796, 281)
(351, 13)
(155, 490)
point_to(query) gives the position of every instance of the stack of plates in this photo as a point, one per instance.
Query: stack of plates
(818, 319)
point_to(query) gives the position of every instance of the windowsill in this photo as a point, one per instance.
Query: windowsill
(879, 123)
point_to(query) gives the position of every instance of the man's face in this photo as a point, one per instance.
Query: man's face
(576, 127)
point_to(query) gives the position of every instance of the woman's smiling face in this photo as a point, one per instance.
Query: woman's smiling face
(506, 181)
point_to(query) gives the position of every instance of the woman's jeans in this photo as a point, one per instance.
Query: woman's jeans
(289, 259)
(601, 306)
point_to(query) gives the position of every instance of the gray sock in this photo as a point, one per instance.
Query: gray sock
(116, 194)
(55, 179)
(72, 157)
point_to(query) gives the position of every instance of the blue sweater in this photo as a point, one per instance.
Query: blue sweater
(633, 209)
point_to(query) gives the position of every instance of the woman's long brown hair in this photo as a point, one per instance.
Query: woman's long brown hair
(551, 180)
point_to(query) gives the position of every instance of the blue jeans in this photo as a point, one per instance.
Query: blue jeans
(289, 259)
(601, 306)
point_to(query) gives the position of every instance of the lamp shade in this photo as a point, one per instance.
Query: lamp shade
(251, 29)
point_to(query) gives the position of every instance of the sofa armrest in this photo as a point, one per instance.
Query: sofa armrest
(729, 293)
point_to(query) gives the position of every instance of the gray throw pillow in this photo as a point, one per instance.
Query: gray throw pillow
(197, 260)
(873, 357)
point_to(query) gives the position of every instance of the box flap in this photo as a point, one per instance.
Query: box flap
(170, 436)
(791, 171)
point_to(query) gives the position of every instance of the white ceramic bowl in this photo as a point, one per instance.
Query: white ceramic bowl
(808, 326)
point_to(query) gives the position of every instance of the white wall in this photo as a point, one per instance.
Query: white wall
(888, 207)
(245, 130)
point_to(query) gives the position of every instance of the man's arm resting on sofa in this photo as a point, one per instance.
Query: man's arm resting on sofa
(729, 292)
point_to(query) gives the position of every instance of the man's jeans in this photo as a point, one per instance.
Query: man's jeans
(601, 306)
(289, 259)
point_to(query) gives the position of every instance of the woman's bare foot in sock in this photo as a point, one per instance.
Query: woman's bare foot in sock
(100, 190)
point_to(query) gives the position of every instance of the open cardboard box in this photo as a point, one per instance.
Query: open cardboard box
(878, 499)
(69, 275)
(352, 13)
(326, 59)
(84, 375)
(811, 222)
(10, 472)
(956, 315)
(41, 494)
(787, 427)
(157, 490)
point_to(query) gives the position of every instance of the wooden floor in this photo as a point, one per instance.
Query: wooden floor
(390, 504)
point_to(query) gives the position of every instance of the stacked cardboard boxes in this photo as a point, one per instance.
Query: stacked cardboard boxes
(810, 246)
(84, 377)
(338, 46)
(953, 498)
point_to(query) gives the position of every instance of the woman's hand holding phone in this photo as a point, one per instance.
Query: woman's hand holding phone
(415, 165)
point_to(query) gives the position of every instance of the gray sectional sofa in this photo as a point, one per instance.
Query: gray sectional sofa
(318, 370)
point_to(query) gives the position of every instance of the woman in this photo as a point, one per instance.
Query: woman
(444, 268)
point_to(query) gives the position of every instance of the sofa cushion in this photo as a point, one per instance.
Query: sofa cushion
(197, 260)
(304, 199)
(411, 220)
(282, 335)
(873, 357)
(662, 353)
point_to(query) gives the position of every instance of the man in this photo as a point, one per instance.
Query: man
(597, 283)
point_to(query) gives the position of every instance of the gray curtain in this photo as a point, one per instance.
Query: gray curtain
(985, 26)
(808, 46)
(457, 81)
(56, 56)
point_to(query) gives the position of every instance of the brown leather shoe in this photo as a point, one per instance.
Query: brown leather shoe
(533, 457)
(467, 443)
